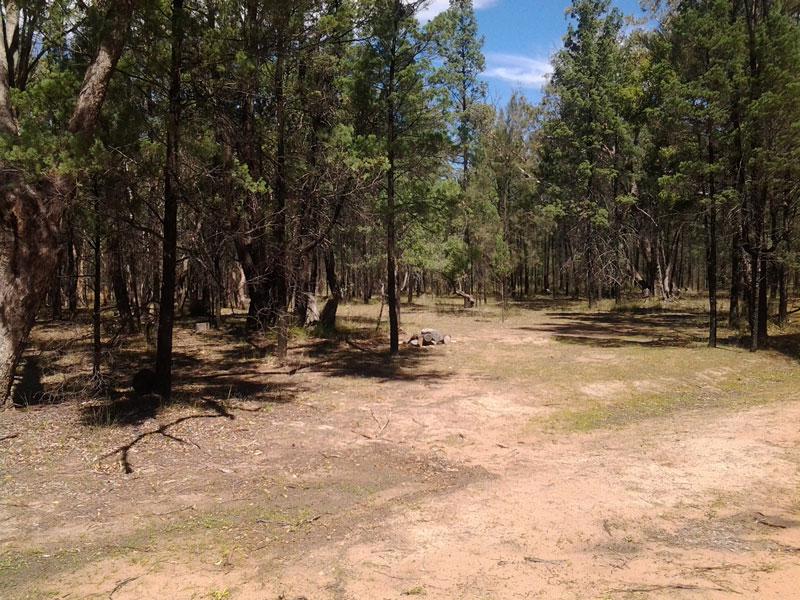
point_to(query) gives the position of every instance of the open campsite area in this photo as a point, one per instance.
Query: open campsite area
(387, 299)
(547, 452)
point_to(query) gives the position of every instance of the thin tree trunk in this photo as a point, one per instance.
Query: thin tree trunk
(120, 286)
(734, 311)
(711, 243)
(783, 297)
(711, 270)
(391, 242)
(166, 315)
(328, 317)
(97, 290)
(763, 300)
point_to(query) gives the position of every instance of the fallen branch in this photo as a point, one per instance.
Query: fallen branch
(534, 559)
(125, 449)
(669, 586)
(121, 584)
(382, 427)
(777, 523)
(10, 436)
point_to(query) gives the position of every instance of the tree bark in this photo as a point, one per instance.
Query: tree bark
(120, 286)
(8, 121)
(328, 317)
(29, 253)
(97, 290)
(711, 271)
(711, 243)
(31, 213)
(166, 315)
(391, 233)
(281, 190)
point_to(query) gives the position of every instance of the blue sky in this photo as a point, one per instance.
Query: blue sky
(520, 36)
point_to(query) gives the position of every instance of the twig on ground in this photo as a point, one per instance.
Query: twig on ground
(124, 450)
(763, 519)
(534, 559)
(644, 589)
(382, 427)
(121, 584)
(10, 436)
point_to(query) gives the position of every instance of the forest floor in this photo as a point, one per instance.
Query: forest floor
(555, 453)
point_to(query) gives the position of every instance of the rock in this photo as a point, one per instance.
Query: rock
(429, 337)
(202, 327)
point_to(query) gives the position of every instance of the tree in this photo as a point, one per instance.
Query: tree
(585, 136)
(34, 199)
(704, 53)
(391, 81)
(172, 192)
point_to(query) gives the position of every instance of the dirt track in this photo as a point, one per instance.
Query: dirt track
(559, 454)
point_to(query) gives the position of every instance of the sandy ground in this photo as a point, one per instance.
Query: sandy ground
(546, 453)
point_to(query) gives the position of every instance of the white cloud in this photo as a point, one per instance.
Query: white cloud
(520, 70)
(434, 7)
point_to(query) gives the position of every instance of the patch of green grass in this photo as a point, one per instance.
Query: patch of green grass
(220, 594)
(602, 416)
(733, 393)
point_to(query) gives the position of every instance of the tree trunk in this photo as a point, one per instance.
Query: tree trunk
(589, 266)
(391, 242)
(72, 274)
(734, 311)
(97, 290)
(282, 254)
(120, 286)
(711, 243)
(763, 300)
(783, 297)
(31, 213)
(166, 315)
(328, 317)
(29, 253)
(711, 270)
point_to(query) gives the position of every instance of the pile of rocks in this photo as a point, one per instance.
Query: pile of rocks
(428, 337)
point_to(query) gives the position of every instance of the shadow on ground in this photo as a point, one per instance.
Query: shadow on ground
(630, 328)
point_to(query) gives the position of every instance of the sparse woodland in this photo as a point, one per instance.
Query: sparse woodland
(291, 308)
(164, 159)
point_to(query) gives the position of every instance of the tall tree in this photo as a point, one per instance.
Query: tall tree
(34, 200)
(585, 135)
(172, 194)
(391, 82)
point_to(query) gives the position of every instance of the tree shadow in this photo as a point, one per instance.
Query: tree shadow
(372, 360)
(196, 383)
(787, 344)
(29, 391)
(621, 329)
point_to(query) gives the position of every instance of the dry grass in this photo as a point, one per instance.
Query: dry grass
(257, 465)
